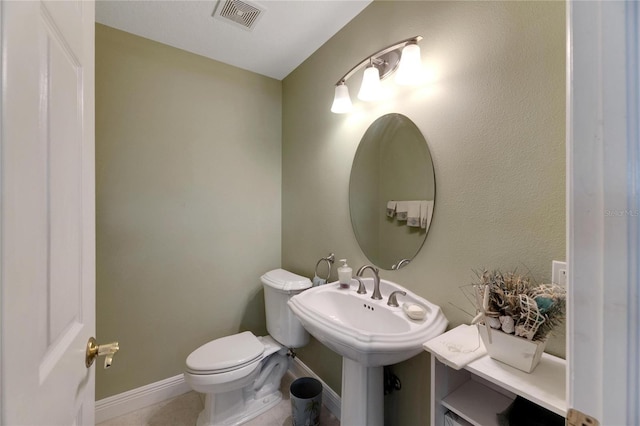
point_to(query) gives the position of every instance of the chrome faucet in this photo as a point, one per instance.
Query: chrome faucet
(376, 280)
(400, 264)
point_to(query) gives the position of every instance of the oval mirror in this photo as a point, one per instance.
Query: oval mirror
(392, 172)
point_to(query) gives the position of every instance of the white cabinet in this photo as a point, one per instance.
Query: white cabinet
(486, 387)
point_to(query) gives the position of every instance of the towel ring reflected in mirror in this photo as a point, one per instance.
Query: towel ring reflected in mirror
(392, 162)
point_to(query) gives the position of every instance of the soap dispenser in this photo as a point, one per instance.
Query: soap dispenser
(344, 274)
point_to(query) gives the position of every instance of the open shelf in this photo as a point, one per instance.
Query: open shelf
(485, 387)
(477, 403)
(544, 386)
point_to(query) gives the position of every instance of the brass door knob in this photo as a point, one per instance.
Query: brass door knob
(94, 350)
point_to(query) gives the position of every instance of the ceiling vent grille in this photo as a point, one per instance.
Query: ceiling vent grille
(242, 14)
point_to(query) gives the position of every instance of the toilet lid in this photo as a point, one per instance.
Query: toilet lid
(226, 353)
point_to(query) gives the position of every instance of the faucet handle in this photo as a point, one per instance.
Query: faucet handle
(361, 288)
(393, 301)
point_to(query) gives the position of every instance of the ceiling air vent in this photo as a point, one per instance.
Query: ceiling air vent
(242, 14)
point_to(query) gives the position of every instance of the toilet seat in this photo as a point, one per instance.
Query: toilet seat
(226, 354)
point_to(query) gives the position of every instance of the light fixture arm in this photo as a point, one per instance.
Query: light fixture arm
(371, 59)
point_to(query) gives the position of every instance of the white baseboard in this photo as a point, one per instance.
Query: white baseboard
(330, 398)
(135, 399)
(142, 397)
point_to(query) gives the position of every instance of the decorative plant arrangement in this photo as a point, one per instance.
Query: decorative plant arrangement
(510, 304)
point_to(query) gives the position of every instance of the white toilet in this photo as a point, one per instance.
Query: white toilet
(241, 374)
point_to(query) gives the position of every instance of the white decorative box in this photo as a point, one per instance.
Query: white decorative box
(516, 351)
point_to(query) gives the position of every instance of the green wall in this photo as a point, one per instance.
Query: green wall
(188, 176)
(208, 176)
(493, 115)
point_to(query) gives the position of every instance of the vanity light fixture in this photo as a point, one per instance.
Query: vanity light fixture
(341, 101)
(370, 87)
(403, 56)
(409, 70)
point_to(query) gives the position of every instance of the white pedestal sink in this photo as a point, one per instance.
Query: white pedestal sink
(368, 334)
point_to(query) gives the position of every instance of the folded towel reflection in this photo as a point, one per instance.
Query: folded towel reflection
(402, 208)
(318, 281)
(391, 208)
(413, 213)
(426, 212)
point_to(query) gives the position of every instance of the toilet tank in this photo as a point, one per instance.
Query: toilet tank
(279, 286)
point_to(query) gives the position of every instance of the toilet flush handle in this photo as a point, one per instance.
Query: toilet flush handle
(94, 351)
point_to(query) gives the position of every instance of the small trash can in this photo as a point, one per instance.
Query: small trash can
(306, 401)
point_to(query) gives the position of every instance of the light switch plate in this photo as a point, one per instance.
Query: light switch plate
(559, 273)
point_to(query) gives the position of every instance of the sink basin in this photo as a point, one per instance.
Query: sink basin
(364, 330)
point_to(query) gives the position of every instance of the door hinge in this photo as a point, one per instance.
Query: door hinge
(577, 418)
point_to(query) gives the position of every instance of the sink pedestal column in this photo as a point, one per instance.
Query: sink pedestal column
(362, 394)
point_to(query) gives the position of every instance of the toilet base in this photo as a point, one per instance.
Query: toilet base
(231, 416)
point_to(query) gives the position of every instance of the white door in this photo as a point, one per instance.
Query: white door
(603, 209)
(47, 212)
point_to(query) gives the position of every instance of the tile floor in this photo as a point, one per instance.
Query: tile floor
(184, 409)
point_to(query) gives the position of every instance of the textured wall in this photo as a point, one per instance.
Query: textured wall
(188, 175)
(493, 115)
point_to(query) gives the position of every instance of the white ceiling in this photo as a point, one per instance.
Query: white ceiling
(287, 33)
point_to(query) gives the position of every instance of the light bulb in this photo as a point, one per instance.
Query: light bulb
(370, 88)
(341, 101)
(410, 68)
